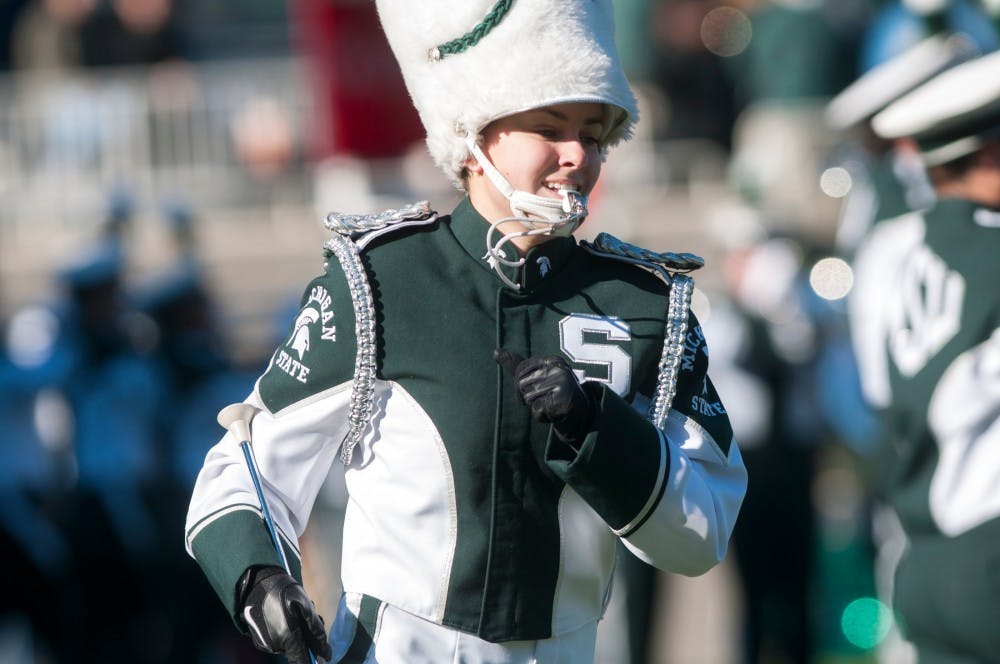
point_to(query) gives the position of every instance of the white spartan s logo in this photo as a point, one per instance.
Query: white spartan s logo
(299, 341)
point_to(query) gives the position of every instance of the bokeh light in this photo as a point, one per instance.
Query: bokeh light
(726, 31)
(701, 305)
(31, 335)
(835, 182)
(866, 622)
(831, 278)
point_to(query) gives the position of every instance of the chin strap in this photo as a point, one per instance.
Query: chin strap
(539, 215)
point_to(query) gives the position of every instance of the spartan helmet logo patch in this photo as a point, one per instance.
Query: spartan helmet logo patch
(299, 341)
(317, 313)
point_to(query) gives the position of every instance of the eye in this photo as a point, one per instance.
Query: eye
(546, 132)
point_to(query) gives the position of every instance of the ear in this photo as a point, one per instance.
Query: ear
(991, 155)
(472, 165)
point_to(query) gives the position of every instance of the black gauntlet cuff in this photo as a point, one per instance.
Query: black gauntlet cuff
(250, 578)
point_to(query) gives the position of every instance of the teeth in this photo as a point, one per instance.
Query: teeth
(559, 187)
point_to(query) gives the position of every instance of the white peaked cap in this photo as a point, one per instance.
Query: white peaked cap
(883, 84)
(951, 115)
(469, 62)
(926, 7)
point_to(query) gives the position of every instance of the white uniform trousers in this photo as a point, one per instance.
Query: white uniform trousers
(367, 631)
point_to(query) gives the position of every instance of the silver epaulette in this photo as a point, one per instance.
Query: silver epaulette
(608, 245)
(352, 233)
(363, 228)
(671, 267)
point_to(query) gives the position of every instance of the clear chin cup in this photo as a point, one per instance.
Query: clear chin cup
(538, 215)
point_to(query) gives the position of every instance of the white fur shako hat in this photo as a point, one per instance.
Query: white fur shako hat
(469, 62)
(950, 116)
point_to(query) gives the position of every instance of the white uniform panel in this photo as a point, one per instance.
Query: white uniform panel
(401, 527)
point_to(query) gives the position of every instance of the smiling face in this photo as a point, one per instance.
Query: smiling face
(540, 151)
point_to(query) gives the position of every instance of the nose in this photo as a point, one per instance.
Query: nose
(573, 153)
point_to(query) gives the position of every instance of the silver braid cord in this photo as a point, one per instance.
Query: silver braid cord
(678, 305)
(351, 233)
(669, 265)
(363, 387)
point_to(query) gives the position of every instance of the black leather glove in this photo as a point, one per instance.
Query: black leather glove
(281, 617)
(549, 387)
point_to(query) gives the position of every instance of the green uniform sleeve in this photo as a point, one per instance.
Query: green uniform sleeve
(231, 544)
(619, 462)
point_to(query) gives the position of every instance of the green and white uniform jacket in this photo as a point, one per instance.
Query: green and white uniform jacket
(926, 325)
(464, 510)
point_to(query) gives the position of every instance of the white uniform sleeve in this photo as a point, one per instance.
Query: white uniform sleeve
(688, 529)
(293, 448)
(671, 495)
(964, 415)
